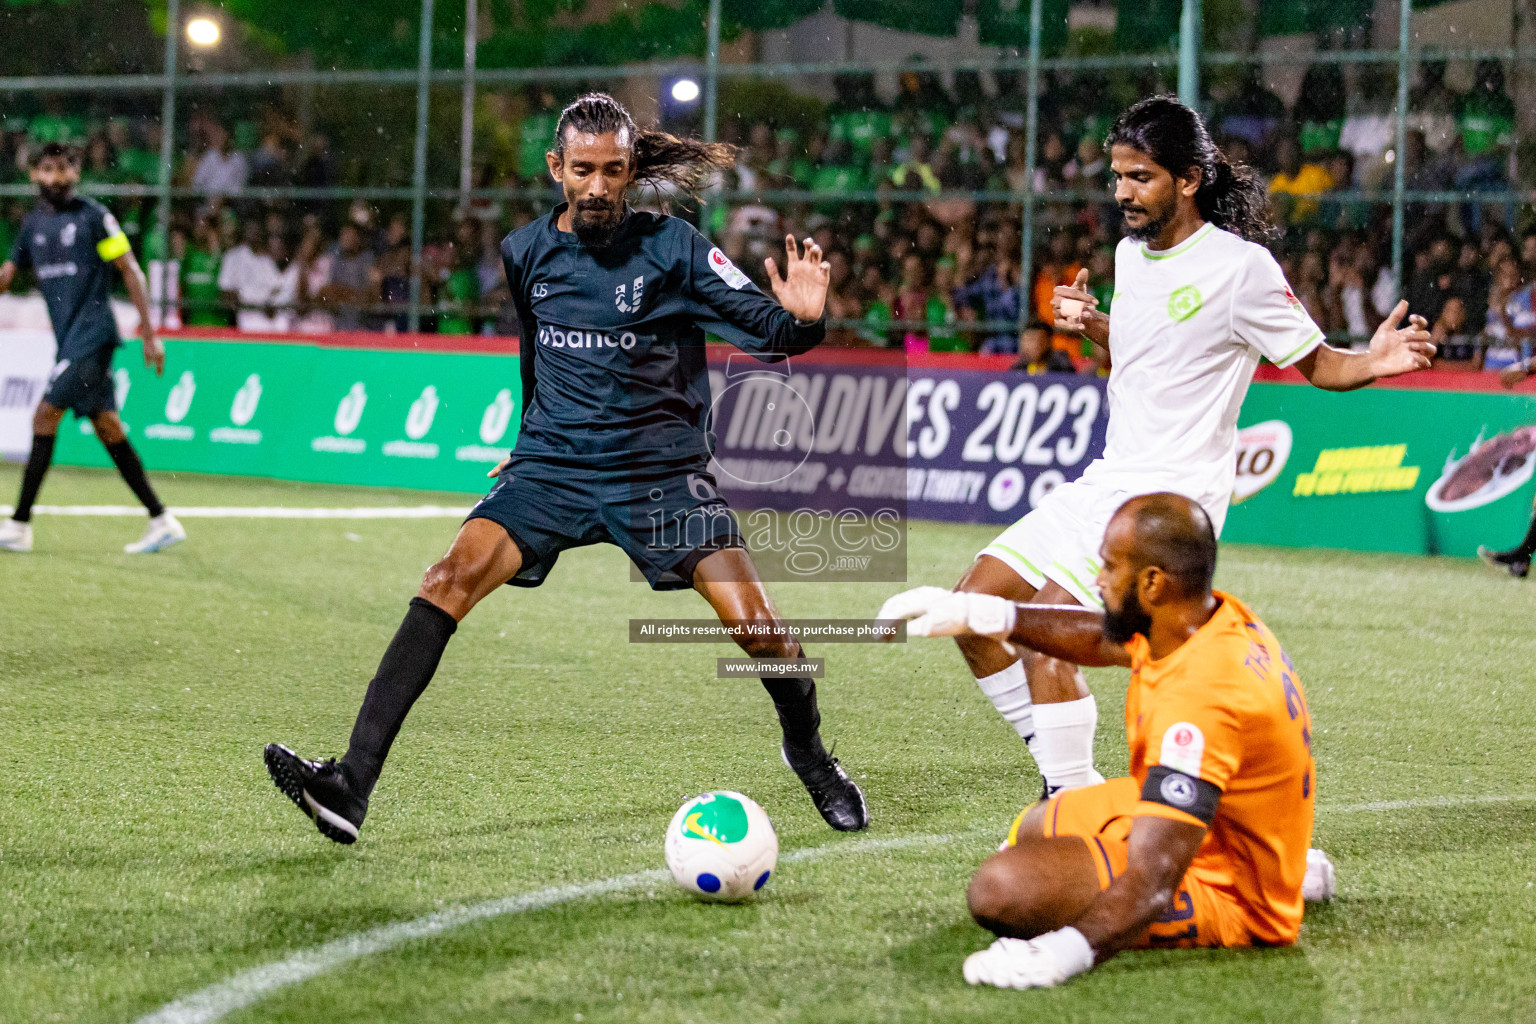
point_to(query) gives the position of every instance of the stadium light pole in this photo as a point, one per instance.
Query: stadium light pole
(1189, 54)
(1400, 157)
(167, 134)
(1031, 139)
(419, 170)
(711, 90)
(712, 73)
(467, 117)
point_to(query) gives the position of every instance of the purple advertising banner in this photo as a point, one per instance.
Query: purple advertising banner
(928, 442)
(985, 447)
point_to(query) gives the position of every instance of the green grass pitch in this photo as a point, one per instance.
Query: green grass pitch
(144, 855)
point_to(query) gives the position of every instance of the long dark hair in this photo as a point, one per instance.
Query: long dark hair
(660, 158)
(1231, 196)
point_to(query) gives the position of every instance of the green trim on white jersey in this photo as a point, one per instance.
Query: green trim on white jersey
(1183, 247)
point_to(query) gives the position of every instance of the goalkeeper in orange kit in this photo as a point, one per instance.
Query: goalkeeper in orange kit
(1205, 843)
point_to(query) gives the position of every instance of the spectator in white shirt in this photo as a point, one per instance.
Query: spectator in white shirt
(232, 270)
(221, 169)
(266, 286)
(1369, 125)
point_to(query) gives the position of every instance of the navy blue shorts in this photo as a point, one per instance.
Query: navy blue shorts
(84, 384)
(665, 518)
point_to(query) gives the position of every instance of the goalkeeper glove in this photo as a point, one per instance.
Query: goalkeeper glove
(934, 611)
(1042, 962)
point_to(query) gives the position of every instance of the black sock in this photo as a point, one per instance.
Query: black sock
(404, 672)
(127, 462)
(794, 698)
(32, 477)
(1527, 547)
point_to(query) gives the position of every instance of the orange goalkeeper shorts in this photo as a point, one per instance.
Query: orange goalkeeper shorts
(1202, 913)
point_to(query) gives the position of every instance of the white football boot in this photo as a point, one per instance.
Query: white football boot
(162, 532)
(15, 536)
(1320, 882)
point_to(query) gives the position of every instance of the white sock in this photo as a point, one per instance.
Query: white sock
(1063, 744)
(1008, 691)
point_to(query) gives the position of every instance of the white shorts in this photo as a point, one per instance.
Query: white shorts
(1059, 540)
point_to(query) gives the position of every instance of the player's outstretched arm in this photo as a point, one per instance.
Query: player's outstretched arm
(1077, 309)
(755, 322)
(1159, 853)
(7, 275)
(133, 278)
(1068, 632)
(1395, 349)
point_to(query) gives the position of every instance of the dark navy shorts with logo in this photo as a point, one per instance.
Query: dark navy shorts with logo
(84, 384)
(666, 518)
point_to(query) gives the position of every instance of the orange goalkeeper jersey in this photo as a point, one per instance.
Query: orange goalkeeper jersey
(1227, 708)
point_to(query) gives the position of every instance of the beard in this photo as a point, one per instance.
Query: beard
(1150, 228)
(55, 195)
(594, 222)
(1132, 618)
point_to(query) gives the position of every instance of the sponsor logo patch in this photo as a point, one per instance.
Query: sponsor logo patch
(1183, 748)
(555, 337)
(1184, 303)
(629, 304)
(728, 271)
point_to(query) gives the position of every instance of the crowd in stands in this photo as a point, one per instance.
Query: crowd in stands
(922, 224)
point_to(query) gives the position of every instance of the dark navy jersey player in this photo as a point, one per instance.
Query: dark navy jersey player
(73, 245)
(614, 305)
(616, 390)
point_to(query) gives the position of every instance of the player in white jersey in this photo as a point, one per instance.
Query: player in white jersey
(1197, 301)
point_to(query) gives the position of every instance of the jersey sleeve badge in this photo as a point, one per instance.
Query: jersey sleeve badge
(728, 271)
(1183, 748)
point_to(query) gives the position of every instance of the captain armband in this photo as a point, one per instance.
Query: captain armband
(111, 247)
(1173, 788)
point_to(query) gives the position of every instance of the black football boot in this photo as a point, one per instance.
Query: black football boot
(835, 795)
(319, 789)
(1516, 562)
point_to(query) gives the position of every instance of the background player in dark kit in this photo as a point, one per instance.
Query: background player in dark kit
(614, 439)
(68, 241)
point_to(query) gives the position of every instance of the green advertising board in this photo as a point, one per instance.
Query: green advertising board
(387, 418)
(1384, 469)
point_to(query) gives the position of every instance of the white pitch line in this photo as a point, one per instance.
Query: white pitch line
(1427, 801)
(252, 985)
(258, 512)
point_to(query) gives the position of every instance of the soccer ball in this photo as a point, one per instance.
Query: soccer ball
(721, 846)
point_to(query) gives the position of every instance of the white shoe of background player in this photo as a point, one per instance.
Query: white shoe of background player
(163, 531)
(15, 536)
(1319, 883)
